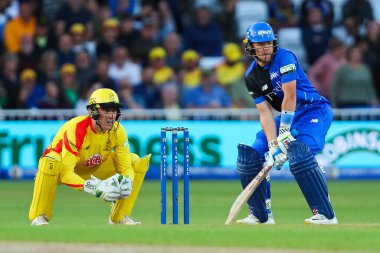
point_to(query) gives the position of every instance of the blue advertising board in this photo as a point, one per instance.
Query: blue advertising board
(352, 148)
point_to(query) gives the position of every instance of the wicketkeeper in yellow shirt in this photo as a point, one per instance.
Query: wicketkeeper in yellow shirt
(91, 154)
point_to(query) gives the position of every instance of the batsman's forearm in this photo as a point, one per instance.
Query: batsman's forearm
(269, 126)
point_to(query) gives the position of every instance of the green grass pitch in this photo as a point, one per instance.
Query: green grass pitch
(81, 218)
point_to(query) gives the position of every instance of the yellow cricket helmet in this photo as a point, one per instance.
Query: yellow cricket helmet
(104, 98)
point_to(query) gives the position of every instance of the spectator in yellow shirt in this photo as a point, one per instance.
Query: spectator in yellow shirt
(23, 25)
(157, 59)
(232, 69)
(190, 74)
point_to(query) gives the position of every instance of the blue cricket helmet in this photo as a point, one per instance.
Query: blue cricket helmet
(257, 33)
(260, 32)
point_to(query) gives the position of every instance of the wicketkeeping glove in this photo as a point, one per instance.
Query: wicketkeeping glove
(275, 157)
(108, 190)
(125, 184)
(284, 139)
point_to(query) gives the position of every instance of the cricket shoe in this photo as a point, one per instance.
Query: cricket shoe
(319, 219)
(41, 220)
(252, 220)
(125, 221)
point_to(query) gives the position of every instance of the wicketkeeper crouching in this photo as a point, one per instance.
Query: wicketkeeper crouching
(91, 153)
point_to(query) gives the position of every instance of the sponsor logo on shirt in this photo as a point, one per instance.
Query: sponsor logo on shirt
(72, 144)
(314, 121)
(93, 160)
(288, 69)
(265, 87)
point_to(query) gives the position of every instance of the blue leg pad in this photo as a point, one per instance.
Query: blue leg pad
(248, 166)
(308, 175)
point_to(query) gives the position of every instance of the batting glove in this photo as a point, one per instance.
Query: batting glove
(275, 157)
(284, 139)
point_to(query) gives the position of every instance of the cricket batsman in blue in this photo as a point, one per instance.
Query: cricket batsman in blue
(276, 80)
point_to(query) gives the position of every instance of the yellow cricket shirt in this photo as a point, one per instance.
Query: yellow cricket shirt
(81, 149)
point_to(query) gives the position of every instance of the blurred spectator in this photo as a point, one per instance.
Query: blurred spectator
(240, 97)
(230, 74)
(48, 68)
(353, 85)
(173, 47)
(50, 8)
(122, 67)
(128, 31)
(52, 98)
(126, 95)
(161, 72)
(142, 45)
(355, 15)
(232, 68)
(315, 35)
(9, 9)
(170, 101)
(190, 74)
(208, 94)
(82, 102)
(101, 74)
(71, 12)
(30, 92)
(326, 7)
(80, 42)
(108, 41)
(24, 25)
(121, 7)
(3, 96)
(371, 49)
(27, 55)
(85, 69)
(157, 13)
(282, 14)
(9, 80)
(227, 19)
(69, 85)
(178, 16)
(101, 11)
(43, 40)
(322, 72)
(359, 10)
(204, 35)
(147, 94)
(65, 53)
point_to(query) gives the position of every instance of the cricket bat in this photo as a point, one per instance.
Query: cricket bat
(246, 193)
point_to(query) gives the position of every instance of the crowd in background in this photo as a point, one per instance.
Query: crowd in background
(54, 53)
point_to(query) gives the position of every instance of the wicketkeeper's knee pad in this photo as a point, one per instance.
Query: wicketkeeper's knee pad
(125, 206)
(45, 187)
(248, 166)
(310, 179)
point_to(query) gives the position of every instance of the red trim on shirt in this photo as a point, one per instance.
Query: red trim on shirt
(80, 132)
(75, 185)
(57, 148)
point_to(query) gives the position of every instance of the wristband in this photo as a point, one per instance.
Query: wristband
(286, 119)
